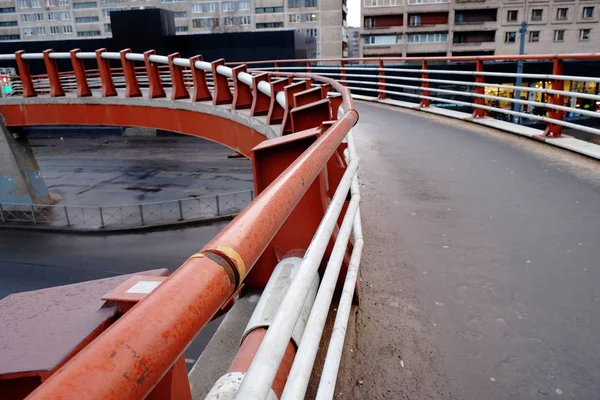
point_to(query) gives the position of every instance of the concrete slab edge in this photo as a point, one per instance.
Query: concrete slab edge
(568, 143)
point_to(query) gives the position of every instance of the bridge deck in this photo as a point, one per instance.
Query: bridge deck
(480, 278)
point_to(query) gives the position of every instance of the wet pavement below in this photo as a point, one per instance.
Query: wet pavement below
(112, 170)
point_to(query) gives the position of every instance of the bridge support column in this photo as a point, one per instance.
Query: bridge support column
(20, 178)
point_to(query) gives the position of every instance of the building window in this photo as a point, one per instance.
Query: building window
(382, 3)
(300, 18)
(10, 37)
(559, 36)
(200, 8)
(427, 37)
(243, 5)
(312, 32)
(380, 40)
(510, 37)
(228, 6)
(88, 33)
(263, 25)
(415, 20)
(534, 36)
(512, 15)
(180, 14)
(59, 16)
(584, 34)
(537, 14)
(7, 10)
(107, 28)
(415, 2)
(106, 11)
(588, 12)
(181, 28)
(369, 22)
(87, 4)
(9, 23)
(57, 30)
(36, 31)
(30, 4)
(170, 1)
(269, 10)
(205, 22)
(237, 21)
(302, 3)
(561, 14)
(82, 20)
(32, 17)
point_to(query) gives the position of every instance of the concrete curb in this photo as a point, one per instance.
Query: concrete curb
(568, 143)
(125, 230)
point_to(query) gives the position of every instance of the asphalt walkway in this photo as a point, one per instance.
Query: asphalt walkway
(481, 271)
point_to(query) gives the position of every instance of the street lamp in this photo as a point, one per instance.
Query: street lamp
(519, 81)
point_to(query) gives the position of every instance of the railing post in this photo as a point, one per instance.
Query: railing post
(425, 84)
(108, 86)
(480, 90)
(132, 87)
(218, 205)
(33, 214)
(260, 101)
(83, 89)
(275, 114)
(2, 213)
(342, 72)
(222, 92)
(242, 93)
(178, 89)
(101, 217)
(201, 92)
(381, 73)
(56, 89)
(555, 130)
(276, 65)
(180, 204)
(141, 214)
(308, 68)
(155, 87)
(252, 195)
(25, 75)
(67, 215)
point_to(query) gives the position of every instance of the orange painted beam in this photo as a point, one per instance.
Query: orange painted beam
(221, 130)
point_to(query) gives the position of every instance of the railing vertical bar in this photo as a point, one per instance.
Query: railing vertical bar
(67, 216)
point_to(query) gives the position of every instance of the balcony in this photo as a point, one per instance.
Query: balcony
(427, 20)
(476, 17)
(483, 40)
(383, 23)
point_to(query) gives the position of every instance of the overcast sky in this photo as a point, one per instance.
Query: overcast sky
(354, 13)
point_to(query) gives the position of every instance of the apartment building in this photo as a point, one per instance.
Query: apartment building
(64, 19)
(407, 28)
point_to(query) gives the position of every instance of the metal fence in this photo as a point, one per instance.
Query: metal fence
(125, 216)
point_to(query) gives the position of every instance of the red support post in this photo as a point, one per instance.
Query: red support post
(425, 84)
(108, 86)
(260, 101)
(83, 89)
(56, 89)
(25, 74)
(290, 91)
(335, 102)
(310, 116)
(381, 86)
(155, 87)
(275, 115)
(480, 79)
(178, 89)
(222, 92)
(342, 72)
(308, 96)
(308, 68)
(325, 88)
(242, 93)
(555, 130)
(276, 65)
(201, 92)
(132, 87)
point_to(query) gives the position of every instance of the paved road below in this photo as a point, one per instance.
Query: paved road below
(35, 260)
(481, 273)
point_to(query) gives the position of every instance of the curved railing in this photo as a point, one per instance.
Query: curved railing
(315, 116)
(550, 101)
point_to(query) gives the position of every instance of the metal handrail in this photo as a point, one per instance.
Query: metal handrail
(186, 301)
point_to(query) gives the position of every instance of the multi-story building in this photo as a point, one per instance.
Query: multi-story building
(353, 42)
(407, 28)
(61, 19)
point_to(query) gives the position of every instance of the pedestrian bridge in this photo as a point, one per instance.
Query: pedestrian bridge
(480, 246)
